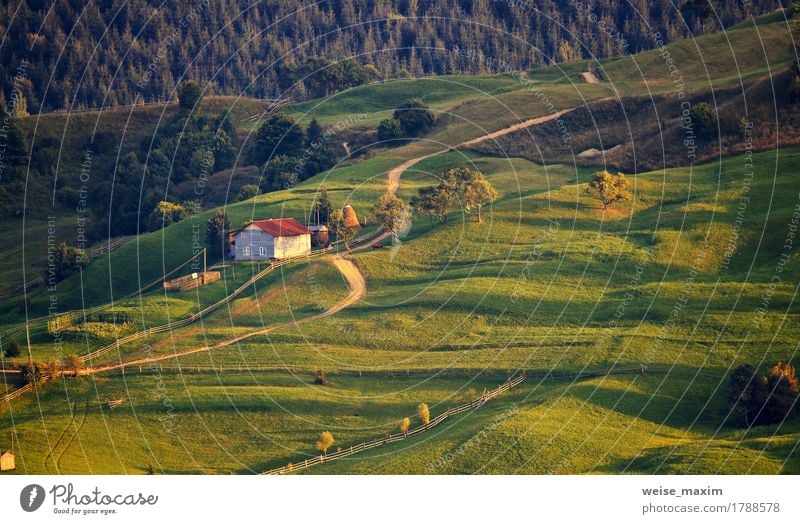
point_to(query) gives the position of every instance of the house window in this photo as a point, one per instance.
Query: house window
(262, 251)
(246, 250)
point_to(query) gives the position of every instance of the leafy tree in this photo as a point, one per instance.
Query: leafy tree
(781, 388)
(279, 135)
(325, 441)
(414, 116)
(389, 129)
(425, 202)
(424, 413)
(164, 214)
(477, 191)
(74, 363)
(190, 95)
(217, 235)
(747, 393)
(247, 192)
(67, 260)
(33, 373)
(19, 105)
(404, 425)
(389, 211)
(282, 172)
(12, 349)
(608, 188)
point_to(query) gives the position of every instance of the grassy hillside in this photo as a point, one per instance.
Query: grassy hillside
(694, 275)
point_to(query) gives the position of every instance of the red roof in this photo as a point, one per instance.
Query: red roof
(282, 227)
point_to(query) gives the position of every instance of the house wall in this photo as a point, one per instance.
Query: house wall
(254, 238)
(286, 247)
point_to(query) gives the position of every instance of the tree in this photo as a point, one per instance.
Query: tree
(477, 191)
(33, 373)
(747, 393)
(279, 135)
(322, 207)
(217, 235)
(19, 105)
(424, 413)
(74, 363)
(425, 202)
(189, 95)
(404, 425)
(12, 349)
(164, 214)
(389, 129)
(67, 260)
(325, 441)
(389, 211)
(248, 191)
(781, 390)
(337, 225)
(414, 117)
(704, 120)
(608, 188)
(314, 133)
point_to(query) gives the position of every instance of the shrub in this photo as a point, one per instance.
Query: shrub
(325, 441)
(424, 413)
(12, 349)
(247, 192)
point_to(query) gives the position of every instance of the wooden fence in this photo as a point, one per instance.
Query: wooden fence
(352, 450)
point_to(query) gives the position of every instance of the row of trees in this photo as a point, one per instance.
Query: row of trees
(764, 399)
(467, 185)
(326, 440)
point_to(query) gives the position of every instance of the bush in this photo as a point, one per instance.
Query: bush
(320, 379)
(414, 117)
(248, 191)
(389, 129)
(189, 95)
(12, 349)
(704, 120)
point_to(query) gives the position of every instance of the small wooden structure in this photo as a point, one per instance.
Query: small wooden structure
(192, 281)
(319, 236)
(7, 461)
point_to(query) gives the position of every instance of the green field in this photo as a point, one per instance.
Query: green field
(685, 278)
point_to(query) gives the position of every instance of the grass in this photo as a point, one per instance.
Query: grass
(548, 282)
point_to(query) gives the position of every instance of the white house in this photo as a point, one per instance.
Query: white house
(275, 238)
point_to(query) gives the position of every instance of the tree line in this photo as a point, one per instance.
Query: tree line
(114, 52)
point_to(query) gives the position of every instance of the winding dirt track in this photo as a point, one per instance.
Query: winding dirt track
(397, 172)
(355, 282)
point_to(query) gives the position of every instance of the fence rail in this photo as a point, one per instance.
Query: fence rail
(358, 448)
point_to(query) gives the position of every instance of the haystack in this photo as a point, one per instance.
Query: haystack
(350, 217)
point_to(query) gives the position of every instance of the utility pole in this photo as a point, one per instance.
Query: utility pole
(204, 266)
(28, 338)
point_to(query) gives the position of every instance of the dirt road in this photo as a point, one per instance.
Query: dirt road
(395, 174)
(355, 282)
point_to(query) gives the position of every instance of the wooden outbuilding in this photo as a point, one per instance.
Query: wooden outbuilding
(320, 236)
(7, 461)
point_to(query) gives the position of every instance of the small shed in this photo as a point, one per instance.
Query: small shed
(319, 236)
(7, 461)
(350, 217)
